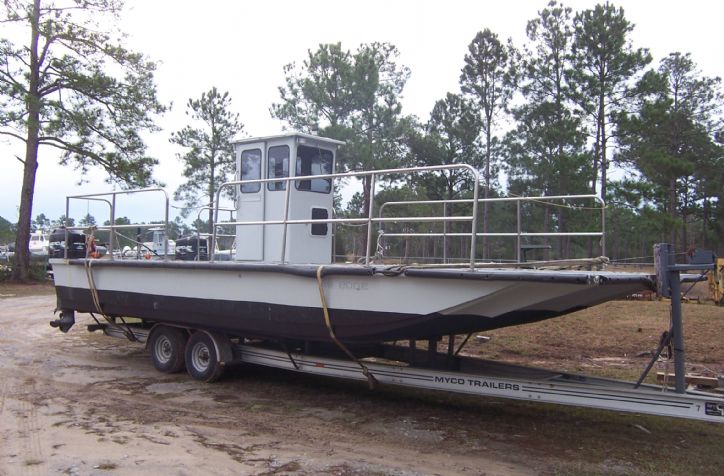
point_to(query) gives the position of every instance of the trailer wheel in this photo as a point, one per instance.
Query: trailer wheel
(167, 346)
(202, 360)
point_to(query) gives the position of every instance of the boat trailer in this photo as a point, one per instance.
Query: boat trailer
(448, 371)
(475, 376)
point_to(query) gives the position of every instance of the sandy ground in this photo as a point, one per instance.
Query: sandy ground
(84, 403)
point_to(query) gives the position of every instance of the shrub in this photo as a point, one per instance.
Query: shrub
(38, 271)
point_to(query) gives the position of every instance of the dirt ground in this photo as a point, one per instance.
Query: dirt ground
(82, 403)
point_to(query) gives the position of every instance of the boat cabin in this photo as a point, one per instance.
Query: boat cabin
(39, 243)
(280, 157)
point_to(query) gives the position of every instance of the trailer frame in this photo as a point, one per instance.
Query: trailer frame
(473, 376)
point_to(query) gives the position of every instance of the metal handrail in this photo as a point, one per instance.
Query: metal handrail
(199, 234)
(519, 233)
(369, 220)
(112, 227)
(210, 208)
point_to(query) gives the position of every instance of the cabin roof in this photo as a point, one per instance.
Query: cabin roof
(299, 135)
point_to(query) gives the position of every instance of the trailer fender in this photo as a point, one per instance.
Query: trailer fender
(222, 345)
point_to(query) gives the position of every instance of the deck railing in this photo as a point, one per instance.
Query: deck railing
(519, 234)
(112, 228)
(207, 236)
(370, 219)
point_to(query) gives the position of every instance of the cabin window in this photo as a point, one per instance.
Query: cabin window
(278, 166)
(314, 161)
(251, 170)
(319, 229)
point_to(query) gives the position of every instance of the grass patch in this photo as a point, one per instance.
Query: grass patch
(608, 337)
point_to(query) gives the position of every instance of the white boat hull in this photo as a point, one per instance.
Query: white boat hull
(365, 303)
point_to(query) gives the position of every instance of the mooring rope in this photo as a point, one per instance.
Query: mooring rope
(328, 322)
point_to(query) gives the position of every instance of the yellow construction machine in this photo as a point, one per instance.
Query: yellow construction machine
(716, 282)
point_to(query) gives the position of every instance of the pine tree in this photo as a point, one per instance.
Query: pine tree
(209, 159)
(354, 97)
(489, 78)
(546, 151)
(450, 137)
(605, 67)
(55, 91)
(672, 140)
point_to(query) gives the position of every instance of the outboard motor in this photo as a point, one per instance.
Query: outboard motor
(192, 248)
(56, 249)
(76, 244)
(66, 321)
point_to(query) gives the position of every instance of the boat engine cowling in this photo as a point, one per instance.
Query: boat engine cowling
(192, 248)
(76, 244)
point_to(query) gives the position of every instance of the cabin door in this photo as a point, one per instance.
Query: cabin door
(250, 206)
(277, 166)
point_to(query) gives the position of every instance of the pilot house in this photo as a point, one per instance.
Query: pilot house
(284, 156)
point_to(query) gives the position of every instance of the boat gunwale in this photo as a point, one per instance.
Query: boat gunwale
(591, 278)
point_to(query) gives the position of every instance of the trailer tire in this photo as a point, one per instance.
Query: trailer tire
(202, 359)
(168, 348)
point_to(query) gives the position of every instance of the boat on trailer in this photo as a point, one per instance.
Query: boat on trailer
(283, 261)
(284, 289)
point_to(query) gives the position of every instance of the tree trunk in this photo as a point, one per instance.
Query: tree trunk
(596, 148)
(546, 226)
(212, 187)
(445, 244)
(445, 226)
(602, 149)
(21, 270)
(486, 191)
(406, 259)
(705, 223)
(672, 209)
(684, 231)
(366, 200)
(565, 241)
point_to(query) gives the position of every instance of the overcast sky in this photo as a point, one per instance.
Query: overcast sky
(242, 46)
